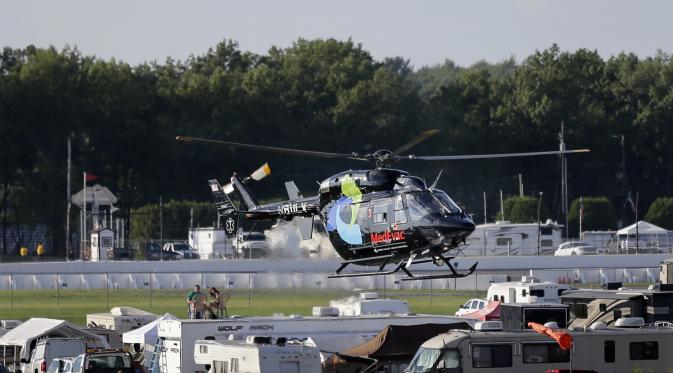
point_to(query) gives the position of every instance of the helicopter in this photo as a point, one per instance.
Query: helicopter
(373, 217)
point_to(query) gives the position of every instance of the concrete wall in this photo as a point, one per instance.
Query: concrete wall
(305, 273)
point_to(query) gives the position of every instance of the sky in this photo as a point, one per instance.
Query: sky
(426, 32)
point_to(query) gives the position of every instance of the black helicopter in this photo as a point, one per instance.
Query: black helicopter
(373, 217)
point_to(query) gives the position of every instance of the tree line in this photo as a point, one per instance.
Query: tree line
(329, 95)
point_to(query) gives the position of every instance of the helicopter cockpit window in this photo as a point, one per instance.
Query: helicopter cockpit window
(447, 201)
(423, 204)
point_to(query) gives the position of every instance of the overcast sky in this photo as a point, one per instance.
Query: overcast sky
(426, 32)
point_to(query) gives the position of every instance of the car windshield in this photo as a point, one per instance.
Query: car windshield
(181, 247)
(447, 202)
(423, 361)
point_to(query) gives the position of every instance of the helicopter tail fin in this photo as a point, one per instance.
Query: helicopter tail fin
(249, 201)
(292, 190)
(304, 223)
(223, 203)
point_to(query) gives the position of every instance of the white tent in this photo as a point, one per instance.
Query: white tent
(650, 237)
(24, 334)
(147, 333)
(643, 228)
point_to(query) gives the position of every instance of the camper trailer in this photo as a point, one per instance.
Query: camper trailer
(529, 290)
(120, 319)
(598, 349)
(504, 238)
(257, 355)
(179, 336)
(588, 306)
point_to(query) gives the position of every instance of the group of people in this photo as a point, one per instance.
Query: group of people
(202, 307)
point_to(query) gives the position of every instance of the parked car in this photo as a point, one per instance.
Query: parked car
(575, 248)
(182, 250)
(153, 251)
(120, 253)
(252, 245)
(470, 306)
(49, 349)
(104, 361)
(61, 365)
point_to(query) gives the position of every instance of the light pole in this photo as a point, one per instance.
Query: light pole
(539, 203)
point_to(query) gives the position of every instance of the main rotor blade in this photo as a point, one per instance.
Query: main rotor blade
(271, 148)
(422, 137)
(487, 156)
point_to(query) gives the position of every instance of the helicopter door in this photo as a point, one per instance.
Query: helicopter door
(381, 217)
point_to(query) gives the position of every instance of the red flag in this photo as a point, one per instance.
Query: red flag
(91, 177)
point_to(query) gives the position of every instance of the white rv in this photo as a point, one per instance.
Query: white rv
(597, 349)
(179, 336)
(120, 319)
(529, 290)
(257, 355)
(504, 238)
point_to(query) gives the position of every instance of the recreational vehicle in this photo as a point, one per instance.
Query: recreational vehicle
(121, 319)
(257, 355)
(598, 349)
(529, 290)
(588, 306)
(505, 238)
(179, 336)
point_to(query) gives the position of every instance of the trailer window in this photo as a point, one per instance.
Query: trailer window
(609, 347)
(537, 293)
(644, 350)
(546, 243)
(579, 310)
(491, 356)
(503, 241)
(535, 353)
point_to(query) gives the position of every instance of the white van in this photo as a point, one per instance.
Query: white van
(51, 348)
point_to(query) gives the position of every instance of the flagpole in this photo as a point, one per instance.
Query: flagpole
(68, 248)
(581, 213)
(84, 238)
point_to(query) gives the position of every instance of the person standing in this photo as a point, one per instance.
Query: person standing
(39, 250)
(195, 297)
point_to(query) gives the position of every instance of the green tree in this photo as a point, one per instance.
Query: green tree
(661, 212)
(599, 214)
(523, 209)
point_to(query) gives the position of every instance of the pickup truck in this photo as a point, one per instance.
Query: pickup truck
(182, 250)
(104, 362)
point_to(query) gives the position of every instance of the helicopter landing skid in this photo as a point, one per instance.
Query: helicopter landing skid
(402, 265)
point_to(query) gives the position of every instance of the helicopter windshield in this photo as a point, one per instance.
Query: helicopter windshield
(447, 202)
(422, 204)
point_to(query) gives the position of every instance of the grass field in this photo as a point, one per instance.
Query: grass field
(73, 305)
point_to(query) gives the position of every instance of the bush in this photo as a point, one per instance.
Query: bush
(599, 214)
(661, 212)
(523, 210)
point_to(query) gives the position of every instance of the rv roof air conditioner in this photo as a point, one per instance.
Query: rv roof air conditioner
(630, 322)
(483, 326)
(551, 325)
